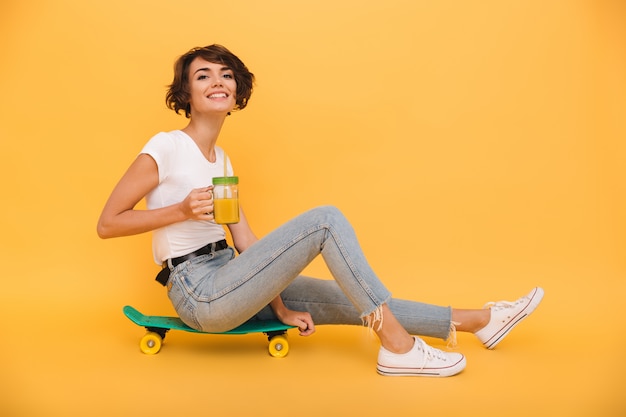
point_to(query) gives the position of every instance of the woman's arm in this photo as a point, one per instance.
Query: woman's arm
(119, 217)
(243, 238)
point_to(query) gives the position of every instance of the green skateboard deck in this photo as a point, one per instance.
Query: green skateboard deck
(158, 326)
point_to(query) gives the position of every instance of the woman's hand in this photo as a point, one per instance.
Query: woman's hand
(198, 204)
(301, 319)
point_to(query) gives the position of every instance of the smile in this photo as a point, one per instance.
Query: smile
(218, 95)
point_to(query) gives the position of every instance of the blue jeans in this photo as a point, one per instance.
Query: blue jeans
(219, 291)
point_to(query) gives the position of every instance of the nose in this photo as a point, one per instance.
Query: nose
(217, 82)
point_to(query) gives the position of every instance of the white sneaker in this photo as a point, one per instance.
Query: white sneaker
(505, 315)
(421, 360)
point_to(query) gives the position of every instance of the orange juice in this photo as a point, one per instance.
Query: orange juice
(226, 210)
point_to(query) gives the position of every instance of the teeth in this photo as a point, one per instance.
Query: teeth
(218, 95)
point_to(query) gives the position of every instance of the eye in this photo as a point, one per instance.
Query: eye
(202, 77)
(228, 75)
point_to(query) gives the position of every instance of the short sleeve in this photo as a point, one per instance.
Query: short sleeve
(158, 147)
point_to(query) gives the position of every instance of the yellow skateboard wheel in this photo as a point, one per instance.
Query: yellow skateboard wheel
(151, 343)
(279, 346)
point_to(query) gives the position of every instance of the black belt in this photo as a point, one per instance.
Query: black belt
(164, 275)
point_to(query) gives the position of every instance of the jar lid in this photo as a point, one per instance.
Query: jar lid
(225, 180)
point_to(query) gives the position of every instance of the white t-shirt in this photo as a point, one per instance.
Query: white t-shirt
(182, 167)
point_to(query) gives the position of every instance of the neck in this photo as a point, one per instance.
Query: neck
(205, 132)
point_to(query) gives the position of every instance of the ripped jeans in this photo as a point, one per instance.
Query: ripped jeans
(219, 291)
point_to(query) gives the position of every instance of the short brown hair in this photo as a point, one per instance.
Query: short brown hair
(177, 97)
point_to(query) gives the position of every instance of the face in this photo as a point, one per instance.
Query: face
(212, 87)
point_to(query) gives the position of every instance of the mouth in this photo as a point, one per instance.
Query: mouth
(218, 95)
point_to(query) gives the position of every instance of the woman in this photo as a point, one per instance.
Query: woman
(214, 290)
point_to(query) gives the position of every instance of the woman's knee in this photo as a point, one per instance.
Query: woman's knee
(329, 214)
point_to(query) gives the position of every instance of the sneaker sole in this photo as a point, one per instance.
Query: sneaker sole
(438, 372)
(500, 334)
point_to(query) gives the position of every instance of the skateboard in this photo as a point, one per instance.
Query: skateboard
(158, 326)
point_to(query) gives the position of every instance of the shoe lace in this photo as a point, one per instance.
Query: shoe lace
(501, 305)
(430, 353)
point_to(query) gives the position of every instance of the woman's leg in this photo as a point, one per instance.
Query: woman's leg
(236, 291)
(222, 295)
(327, 304)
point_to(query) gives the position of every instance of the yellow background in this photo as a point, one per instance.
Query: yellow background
(477, 147)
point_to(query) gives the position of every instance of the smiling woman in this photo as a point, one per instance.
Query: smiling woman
(178, 95)
(213, 87)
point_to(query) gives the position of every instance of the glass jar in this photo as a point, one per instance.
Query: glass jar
(226, 200)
